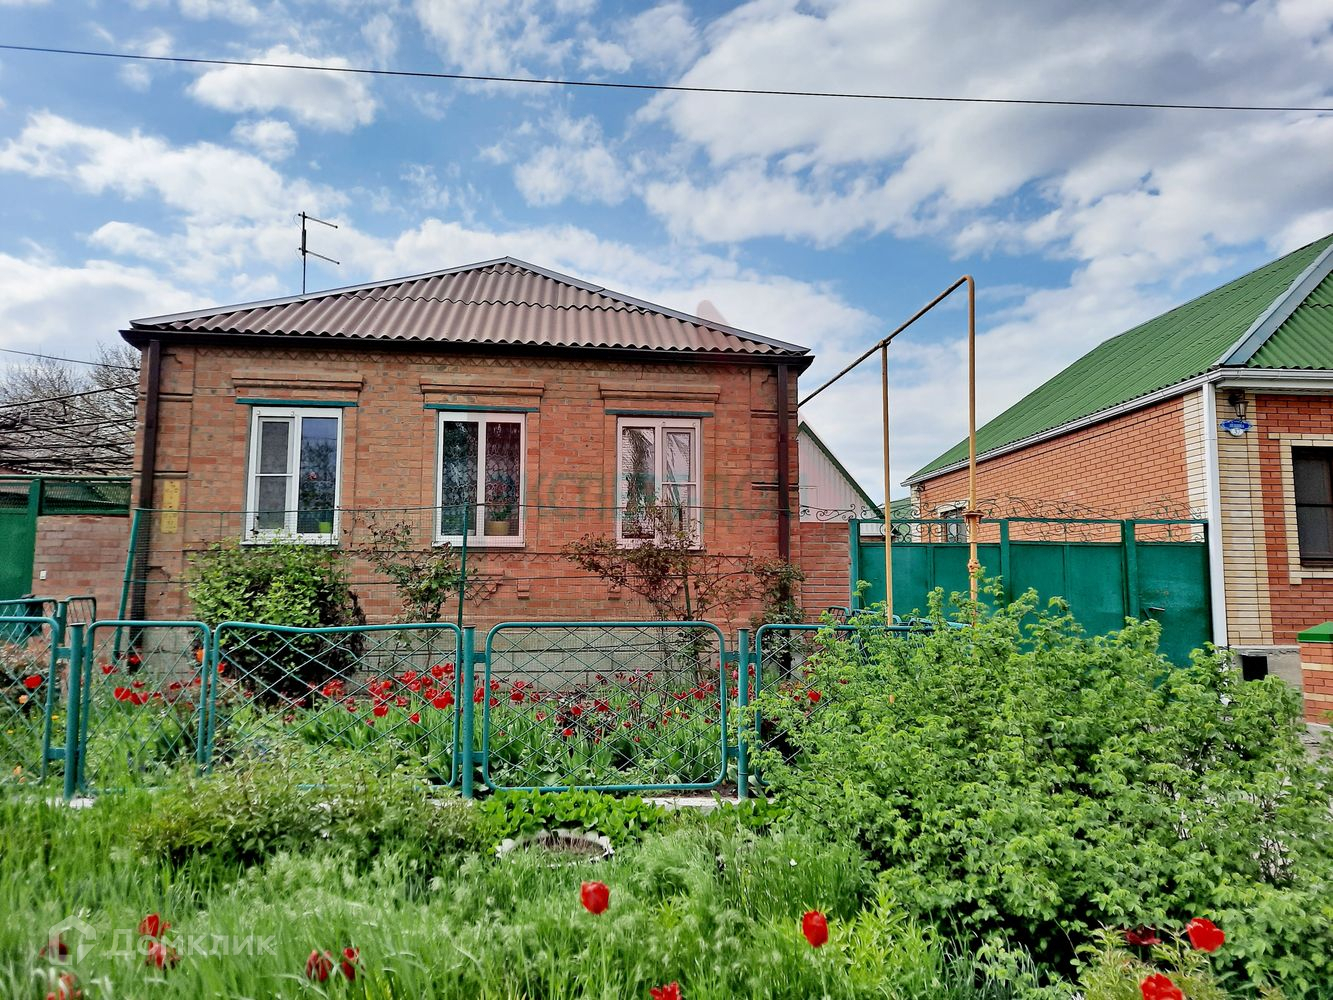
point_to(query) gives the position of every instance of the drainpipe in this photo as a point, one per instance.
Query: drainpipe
(784, 468)
(1216, 569)
(147, 467)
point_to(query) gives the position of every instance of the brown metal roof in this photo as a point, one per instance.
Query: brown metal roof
(498, 302)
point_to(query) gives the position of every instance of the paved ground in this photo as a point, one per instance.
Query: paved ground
(1317, 739)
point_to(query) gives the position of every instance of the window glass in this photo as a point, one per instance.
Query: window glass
(318, 475)
(638, 487)
(1312, 469)
(271, 487)
(503, 476)
(458, 476)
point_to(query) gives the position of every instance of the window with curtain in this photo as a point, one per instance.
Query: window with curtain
(480, 477)
(657, 475)
(295, 458)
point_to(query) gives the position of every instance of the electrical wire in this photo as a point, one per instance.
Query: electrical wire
(662, 87)
(71, 361)
(71, 395)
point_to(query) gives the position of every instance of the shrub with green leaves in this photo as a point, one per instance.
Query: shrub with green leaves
(304, 586)
(521, 814)
(242, 817)
(1023, 781)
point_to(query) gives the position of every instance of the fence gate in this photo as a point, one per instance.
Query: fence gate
(386, 696)
(33, 686)
(615, 706)
(142, 702)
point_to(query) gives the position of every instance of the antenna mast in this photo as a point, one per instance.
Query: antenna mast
(305, 252)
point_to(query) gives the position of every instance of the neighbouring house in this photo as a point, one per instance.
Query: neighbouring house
(499, 402)
(64, 536)
(1221, 409)
(830, 499)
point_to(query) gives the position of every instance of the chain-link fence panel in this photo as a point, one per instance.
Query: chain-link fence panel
(383, 697)
(613, 706)
(143, 695)
(33, 682)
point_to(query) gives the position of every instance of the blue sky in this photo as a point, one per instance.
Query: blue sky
(129, 190)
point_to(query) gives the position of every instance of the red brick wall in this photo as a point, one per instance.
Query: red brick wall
(1130, 465)
(826, 560)
(1295, 606)
(389, 442)
(82, 554)
(1317, 680)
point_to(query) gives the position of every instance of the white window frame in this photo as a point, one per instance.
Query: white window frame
(659, 425)
(254, 534)
(953, 533)
(477, 536)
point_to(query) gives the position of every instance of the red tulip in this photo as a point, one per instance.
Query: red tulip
(595, 896)
(318, 966)
(814, 925)
(671, 991)
(814, 696)
(567, 732)
(1142, 937)
(55, 949)
(1159, 987)
(416, 718)
(108, 668)
(32, 682)
(380, 710)
(67, 988)
(1204, 934)
(348, 964)
(444, 700)
(152, 926)
(161, 955)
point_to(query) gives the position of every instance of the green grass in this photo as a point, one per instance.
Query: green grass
(704, 902)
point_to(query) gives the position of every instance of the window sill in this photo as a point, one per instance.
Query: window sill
(282, 538)
(480, 543)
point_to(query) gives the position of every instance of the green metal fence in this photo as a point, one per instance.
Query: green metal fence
(32, 692)
(1108, 570)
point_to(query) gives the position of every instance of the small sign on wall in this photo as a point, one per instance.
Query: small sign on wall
(171, 505)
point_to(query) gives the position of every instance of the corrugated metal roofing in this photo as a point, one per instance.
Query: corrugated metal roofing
(1305, 340)
(1172, 348)
(503, 302)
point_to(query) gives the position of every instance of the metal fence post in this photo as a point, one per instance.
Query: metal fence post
(468, 740)
(742, 713)
(74, 700)
(208, 676)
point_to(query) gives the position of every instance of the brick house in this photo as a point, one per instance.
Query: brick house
(1220, 409)
(538, 407)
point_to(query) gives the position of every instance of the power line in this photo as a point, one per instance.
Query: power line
(71, 361)
(661, 87)
(71, 395)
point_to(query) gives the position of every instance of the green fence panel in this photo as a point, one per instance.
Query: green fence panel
(385, 696)
(614, 706)
(143, 695)
(1173, 589)
(32, 696)
(1104, 582)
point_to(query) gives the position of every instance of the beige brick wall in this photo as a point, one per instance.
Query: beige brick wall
(1244, 549)
(1317, 680)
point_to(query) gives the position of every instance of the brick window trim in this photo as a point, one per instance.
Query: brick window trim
(1296, 572)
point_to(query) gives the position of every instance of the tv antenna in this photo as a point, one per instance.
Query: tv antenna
(305, 252)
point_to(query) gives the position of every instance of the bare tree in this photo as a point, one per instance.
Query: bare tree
(61, 418)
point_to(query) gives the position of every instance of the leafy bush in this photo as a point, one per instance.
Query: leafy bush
(1028, 783)
(242, 817)
(520, 814)
(304, 586)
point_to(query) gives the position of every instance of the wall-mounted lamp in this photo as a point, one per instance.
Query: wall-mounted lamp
(1237, 400)
(1238, 425)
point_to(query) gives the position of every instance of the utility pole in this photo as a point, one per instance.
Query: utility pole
(305, 252)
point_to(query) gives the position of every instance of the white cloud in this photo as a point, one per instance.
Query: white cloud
(271, 138)
(135, 76)
(381, 34)
(578, 166)
(664, 35)
(499, 37)
(336, 102)
(236, 11)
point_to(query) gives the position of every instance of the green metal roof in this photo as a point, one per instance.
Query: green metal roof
(1176, 346)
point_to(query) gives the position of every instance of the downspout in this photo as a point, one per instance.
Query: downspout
(1213, 486)
(147, 467)
(784, 469)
